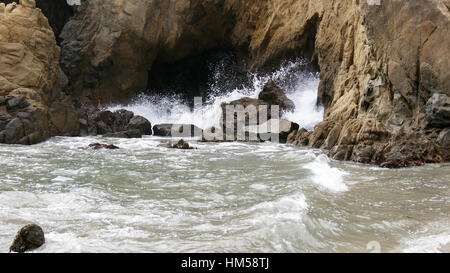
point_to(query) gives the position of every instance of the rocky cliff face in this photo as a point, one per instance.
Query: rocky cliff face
(58, 12)
(381, 86)
(110, 46)
(32, 106)
(384, 68)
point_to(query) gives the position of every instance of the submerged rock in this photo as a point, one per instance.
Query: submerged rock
(413, 150)
(28, 238)
(98, 146)
(14, 131)
(181, 144)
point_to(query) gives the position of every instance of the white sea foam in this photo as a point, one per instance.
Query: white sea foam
(301, 87)
(434, 237)
(251, 197)
(325, 176)
(428, 244)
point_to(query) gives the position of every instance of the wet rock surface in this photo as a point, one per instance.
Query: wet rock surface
(376, 79)
(125, 134)
(249, 119)
(28, 238)
(274, 95)
(180, 144)
(120, 124)
(384, 86)
(98, 146)
(177, 130)
(438, 110)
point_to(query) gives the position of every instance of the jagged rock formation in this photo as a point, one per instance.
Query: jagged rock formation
(384, 68)
(32, 106)
(58, 12)
(382, 82)
(109, 46)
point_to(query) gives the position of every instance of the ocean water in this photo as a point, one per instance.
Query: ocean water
(220, 197)
(229, 197)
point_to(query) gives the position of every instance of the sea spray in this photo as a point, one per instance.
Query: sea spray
(328, 178)
(300, 86)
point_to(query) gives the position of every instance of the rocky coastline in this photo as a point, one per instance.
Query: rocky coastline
(384, 69)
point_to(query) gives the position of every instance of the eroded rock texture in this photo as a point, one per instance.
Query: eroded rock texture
(110, 46)
(58, 12)
(384, 68)
(32, 106)
(391, 62)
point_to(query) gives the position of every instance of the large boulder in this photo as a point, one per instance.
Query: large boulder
(275, 130)
(241, 113)
(121, 123)
(140, 123)
(242, 118)
(28, 238)
(274, 95)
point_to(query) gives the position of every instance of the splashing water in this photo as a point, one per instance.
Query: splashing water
(300, 86)
(331, 179)
(221, 197)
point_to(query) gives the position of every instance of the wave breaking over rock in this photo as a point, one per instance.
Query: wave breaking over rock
(300, 86)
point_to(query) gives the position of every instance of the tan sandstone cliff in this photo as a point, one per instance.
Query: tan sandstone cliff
(384, 68)
(32, 106)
